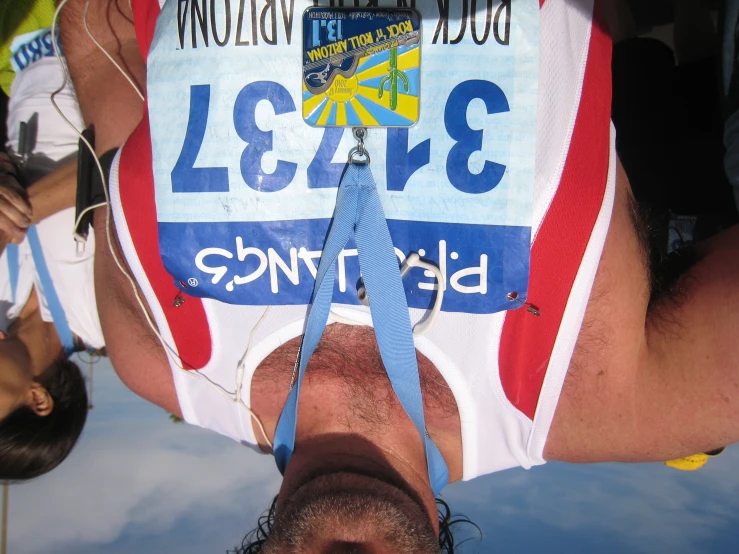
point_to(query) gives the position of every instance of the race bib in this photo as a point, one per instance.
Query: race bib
(248, 150)
(30, 47)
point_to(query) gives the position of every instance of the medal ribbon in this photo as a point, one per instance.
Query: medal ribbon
(359, 214)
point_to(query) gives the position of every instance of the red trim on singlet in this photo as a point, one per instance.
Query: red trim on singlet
(187, 323)
(527, 341)
(145, 13)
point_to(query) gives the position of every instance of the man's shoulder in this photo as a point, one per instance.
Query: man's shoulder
(648, 370)
(611, 347)
(134, 349)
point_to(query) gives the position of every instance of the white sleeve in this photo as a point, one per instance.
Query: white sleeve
(72, 276)
(10, 310)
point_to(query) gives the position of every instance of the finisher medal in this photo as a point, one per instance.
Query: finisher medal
(361, 67)
(361, 70)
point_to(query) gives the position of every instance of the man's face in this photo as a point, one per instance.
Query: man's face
(351, 513)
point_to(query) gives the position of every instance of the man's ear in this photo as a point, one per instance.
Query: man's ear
(39, 400)
(3, 335)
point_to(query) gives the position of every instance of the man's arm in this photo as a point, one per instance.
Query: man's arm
(20, 208)
(15, 211)
(54, 192)
(109, 102)
(689, 391)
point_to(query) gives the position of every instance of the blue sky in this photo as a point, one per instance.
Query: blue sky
(138, 483)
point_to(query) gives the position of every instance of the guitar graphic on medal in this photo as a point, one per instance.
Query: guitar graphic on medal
(320, 81)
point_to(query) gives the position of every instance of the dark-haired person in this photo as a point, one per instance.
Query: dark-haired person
(49, 315)
(47, 301)
(216, 181)
(43, 398)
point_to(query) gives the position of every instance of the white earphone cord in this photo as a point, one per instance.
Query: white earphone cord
(171, 351)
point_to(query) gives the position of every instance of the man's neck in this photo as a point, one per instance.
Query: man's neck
(38, 337)
(346, 391)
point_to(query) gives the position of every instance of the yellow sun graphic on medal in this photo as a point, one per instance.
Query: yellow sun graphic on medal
(383, 92)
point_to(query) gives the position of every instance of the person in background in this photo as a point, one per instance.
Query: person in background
(46, 293)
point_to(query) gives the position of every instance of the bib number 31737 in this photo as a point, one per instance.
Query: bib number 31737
(186, 178)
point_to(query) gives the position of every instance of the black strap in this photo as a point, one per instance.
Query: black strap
(90, 191)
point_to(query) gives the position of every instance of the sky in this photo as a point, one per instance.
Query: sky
(139, 483)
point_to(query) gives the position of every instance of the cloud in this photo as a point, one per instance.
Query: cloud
(629, 508)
